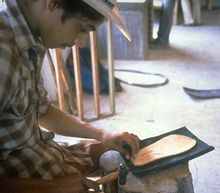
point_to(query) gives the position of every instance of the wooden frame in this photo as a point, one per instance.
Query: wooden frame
(62, 82)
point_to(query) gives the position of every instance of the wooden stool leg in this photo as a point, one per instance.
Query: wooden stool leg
(78, 83)
(209, 4)
(58, 72)
(187, 6)
(111, 67)
(95, 74)
(62, 78)
(196, 7)
(175, 12)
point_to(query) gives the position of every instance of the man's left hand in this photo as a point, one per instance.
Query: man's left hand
(124, 142)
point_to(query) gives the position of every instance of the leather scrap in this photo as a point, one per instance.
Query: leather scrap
(202, 94)
(153, 85)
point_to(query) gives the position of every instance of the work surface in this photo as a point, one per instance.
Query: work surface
(173, 180)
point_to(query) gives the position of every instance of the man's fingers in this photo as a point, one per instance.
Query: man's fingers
(124, 151)
(124, 142)
(131, 143)
(135, 143)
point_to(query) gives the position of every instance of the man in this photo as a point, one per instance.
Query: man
(30, 161)
(165, 25)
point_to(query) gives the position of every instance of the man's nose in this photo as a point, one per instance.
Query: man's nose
(82, 39)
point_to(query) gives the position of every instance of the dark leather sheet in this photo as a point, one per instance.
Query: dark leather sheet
(200, 149)
(202, 94)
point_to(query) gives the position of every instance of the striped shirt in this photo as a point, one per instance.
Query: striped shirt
(25, 151)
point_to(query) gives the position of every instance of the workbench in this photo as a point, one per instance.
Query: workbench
(175, 179)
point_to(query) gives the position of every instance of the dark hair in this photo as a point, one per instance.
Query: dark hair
(78, 8)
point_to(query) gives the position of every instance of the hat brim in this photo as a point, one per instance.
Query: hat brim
(112, 14)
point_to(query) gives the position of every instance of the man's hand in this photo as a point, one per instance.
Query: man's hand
(124, 142)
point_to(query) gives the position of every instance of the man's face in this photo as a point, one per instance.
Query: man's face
(58, 34)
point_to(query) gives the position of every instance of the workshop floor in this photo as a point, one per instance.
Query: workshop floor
(192, 61)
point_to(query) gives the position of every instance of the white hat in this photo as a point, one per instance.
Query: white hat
(109, 9)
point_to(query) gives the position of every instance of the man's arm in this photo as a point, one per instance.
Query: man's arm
(64, 124)
(67, 184)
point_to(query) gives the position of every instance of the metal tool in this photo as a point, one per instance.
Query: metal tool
(121, 174)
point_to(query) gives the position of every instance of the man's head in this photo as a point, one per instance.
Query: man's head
(77, 8)
(61, 23)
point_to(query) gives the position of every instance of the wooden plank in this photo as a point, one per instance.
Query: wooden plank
(135, 16)
(108, 178)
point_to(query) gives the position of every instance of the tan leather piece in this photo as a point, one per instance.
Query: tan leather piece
(165, 147)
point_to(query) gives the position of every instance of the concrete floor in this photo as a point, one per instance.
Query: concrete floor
(193, 61)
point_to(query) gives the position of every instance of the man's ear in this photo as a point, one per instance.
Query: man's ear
(51, 5)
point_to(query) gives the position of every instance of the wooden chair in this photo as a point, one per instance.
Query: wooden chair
(75, 102)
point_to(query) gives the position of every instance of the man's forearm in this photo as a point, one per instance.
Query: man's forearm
(64, 124)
